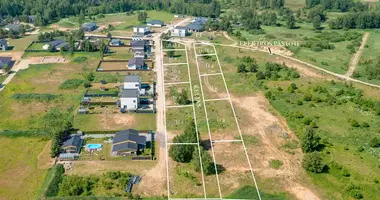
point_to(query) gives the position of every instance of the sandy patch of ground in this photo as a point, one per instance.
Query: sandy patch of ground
(44, 160)
(154, 182)
(273, 133)
(16, 55)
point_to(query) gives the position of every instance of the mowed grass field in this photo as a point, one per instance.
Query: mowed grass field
(20, 177)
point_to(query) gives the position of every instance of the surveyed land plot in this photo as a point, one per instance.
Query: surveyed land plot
(184, 181)
(172, 45)
(222, 121)
(176, 120)
(208, 65)
(233, 167)
(204, 49)
(213, 88)
(176, 73)
(175, 56)
(173, 94)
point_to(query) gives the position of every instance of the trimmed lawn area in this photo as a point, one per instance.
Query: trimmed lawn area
(119, 53)
(19, 176)
(20, 44)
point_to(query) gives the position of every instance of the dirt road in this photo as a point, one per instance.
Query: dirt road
(355, 59)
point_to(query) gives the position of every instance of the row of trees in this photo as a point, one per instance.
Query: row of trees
(360, 20)
(339, 5)
(14, 33)
(48, 10)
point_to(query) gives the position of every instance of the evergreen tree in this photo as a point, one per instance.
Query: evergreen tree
(312, 162)
(310, 141)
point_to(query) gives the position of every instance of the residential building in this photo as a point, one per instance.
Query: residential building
(90, 26)
(116, 42)
(195, 27)
(155, 23)
(73, 144)
(136, 63)
(13, 27)
(137, 37)
(132, 82)
(180, 31)
(139, 54)
(138, 45)
(5, 62)
(141, 30)
(55, 45)
(3, 45)
(128, 142)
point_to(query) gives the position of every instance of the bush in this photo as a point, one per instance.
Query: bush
(34, 96)
(71, 84)
(345, 173)
(374, 142)
(312, 162)
(53, 187)
(275, 164)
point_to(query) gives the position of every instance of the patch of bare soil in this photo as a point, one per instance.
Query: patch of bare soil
(273, 134)
(16, 55)
(304, 70)
(109, 121)
(43, 160)
(153, 183)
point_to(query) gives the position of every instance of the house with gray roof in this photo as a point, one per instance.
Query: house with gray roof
(73, 144)
(128, 142)
(56, 45)
(90, 26)
(3, 45)
(116, 42)
(13, 27)
(136, 63)
(138, 45)
(5, 62)
(141, 30)
(195, 27)
(155, 23)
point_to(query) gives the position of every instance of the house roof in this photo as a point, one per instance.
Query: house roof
(3, 42)
(4, 61)
(141, 27)
(129, 93)
(138, 43)
(115, 40)
(195, 26)
(136, 61)
(181, 27)
(132, 78)
(89, 25)
(63, 44)
(201, 20)
(128, 139)
(15, 27)
(73, 140)
(156, 22)
(55, 43)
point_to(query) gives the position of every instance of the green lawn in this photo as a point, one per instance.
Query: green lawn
(19, 176)
(20, 44)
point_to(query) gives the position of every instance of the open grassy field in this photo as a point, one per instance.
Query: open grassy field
(20, 44)
(178, 57)
(119, 53)
(346, 146)
(24, 114)
(20, 178)
(369, 56)
(176, 73)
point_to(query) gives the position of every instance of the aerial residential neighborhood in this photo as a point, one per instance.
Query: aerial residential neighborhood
(123, 99)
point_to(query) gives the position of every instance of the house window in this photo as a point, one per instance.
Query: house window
(134, 101)
(137, 85)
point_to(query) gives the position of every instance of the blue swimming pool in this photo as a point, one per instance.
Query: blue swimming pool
(94, 146)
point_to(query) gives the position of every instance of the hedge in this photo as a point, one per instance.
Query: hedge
(34, 96)
(53, 188)
(25, 133)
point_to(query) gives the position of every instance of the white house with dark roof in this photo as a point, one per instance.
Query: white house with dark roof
(3, 45)
(130, 93)
(141, 30)
(155, 23)
(180, 31)
(128, 142)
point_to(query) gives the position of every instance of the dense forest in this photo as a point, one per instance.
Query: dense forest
(48, 10)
